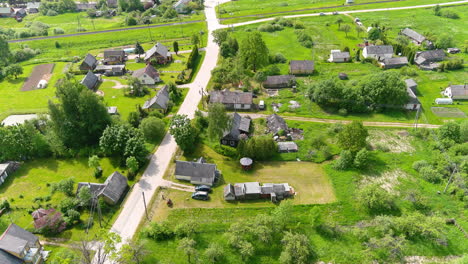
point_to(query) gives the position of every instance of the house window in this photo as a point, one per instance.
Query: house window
(224, 142)
(232, 143)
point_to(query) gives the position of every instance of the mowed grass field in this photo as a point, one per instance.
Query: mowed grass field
(247, 10)
(71, 22)
(80, 45)
(33, 180)
(308, 179)
(326, 36)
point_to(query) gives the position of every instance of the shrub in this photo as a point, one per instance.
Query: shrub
(186, 229)
(343, 112)
(376, 199)
(336, 128)
(225, 150)
(65, 186)
(362, 159)
(131, 21)
(279, 58)
(51, 12)
(430, 175)
(345, 161)
(68, 204)
(382, 147)
(299, 25)
(418, 165)
(5, 205)
(450, 14)
(153, 128)
(158, 231)
(58, 31)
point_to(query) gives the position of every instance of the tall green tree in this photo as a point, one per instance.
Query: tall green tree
(386, 88)
(353, 137)
(345, 28)
(253, 51)
(175, 46)
(338, 21)
(80, 116)
(13, 70)
(152, 128)
(184, 133)
(4, 51)
(218, 121)
(139, 49)
(187, 245)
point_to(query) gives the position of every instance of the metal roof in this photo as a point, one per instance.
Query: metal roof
(157, 49)
(413, 35)
(379, 49)
(227, 97)
(301, 65)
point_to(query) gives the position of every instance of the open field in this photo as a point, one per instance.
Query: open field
(71, 22)
(448, 112)
(80, 45)
(391, 169)
(33, 179)
(242, 11)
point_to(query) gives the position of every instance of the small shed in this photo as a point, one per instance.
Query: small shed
(279, 81)
(288, 146)
(246, 163)
(443, 101)
(42, 84)
(112, 110)
(411, 84)
(229, 194)
(299, 67)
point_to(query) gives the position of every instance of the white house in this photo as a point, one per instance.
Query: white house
(457, 92)
(380, 52)
(338, 56)
(181, 6)
(148, 75)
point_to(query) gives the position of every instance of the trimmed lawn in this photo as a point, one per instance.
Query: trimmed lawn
(32, 180)
(308, 180)
(14, 101)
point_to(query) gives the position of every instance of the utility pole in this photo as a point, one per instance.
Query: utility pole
(144, 203)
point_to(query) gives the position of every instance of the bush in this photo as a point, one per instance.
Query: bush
(430, 175)
(5, 205)
(158, 231)
(51, 12)
(278, 58)
(131, 21)
(153, 128)
(450, 14)
(376, 199)
(65, 186)
(225, 150)
(345, 161)
(299, 25)
(343, 112)
(362, 159)
(418, 165)
(68, 204)
(58, 31)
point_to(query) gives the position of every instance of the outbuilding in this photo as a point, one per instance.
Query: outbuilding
(338, 56)
(378, 52)
(279, 81)
(447, 101)
(301, 67)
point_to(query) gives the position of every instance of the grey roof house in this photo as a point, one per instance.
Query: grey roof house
(19, 246)
(275, 123)
(428, 60)
(181, 6)
(111, 190)
(240, 127)
(300, 67)
(110, 70)
(85, 6)
(287, 146)
(33, 7)
(232, 100)
(7, 12)
(378, 52)
(394, 63)
(159, 101)
(410, 83)
(415, 37)
(279, 81)
(339, 56)
(114, 56)
(197, 172)
(457, 92)
(89, 63)
(90, 80)
(6, 169)
(160, 53)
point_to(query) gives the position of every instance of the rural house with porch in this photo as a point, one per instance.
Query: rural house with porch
(339, 56)
(112, 190)
(158, 52)
(89, 63)
(428, 60)
(159, 101)
(457, 92)
(112, 57)
(232, 100)
(20, 246)
(196, 172)
(301, 67)
(90, 80)
(379, 52)
(147, 75)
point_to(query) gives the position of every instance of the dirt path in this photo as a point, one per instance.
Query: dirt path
(333, 121)
(118, 85)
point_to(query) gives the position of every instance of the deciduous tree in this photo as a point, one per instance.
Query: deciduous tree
(184, 133)
(187, 245)
(218, 121)
(353, 137)
(296, 249)
(153, 128)
(175, 46)
(253, 51)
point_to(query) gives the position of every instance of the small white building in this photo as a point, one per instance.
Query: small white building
(338, 56)
(379, 52)
(447, 101)
(42, 84)
(349, 1)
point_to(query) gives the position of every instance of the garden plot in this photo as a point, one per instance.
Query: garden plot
(448, 112)
(40, 72)
(387, 180)
(390, 141)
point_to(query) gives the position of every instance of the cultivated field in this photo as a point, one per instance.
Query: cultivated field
(40, 72)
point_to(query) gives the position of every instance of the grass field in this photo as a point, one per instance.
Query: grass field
(346, 214)
(241, 11)
(31, 180)
(70, 22)
(80, 45)
(326, 36)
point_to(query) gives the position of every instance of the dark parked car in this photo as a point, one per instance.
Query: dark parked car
(202, 188)
(200, 196)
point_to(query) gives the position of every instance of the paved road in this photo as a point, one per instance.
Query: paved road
(104, 31)
(333, 121)
(133, 210)
(345, 12)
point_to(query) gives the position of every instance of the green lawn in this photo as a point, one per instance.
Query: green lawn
(70, 22)
(80, 45)
(31, 180)
(233, 11)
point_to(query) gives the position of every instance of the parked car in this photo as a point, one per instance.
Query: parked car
(357, 19)
(202, 188)
(335, 13)
(261, 105)
(322, 14)
(200, 196)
